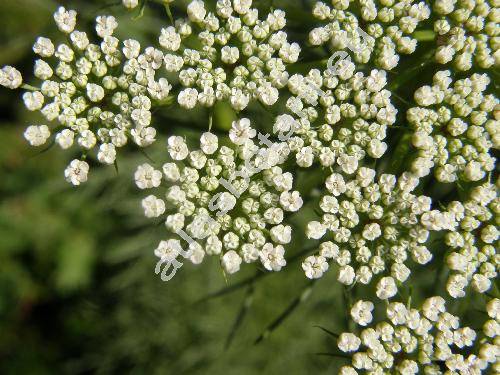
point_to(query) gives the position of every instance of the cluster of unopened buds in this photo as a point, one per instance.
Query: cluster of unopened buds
(468, 33)
(416, 341)
(236, 195)
(456, 128)
(372, 228)
(388, 25)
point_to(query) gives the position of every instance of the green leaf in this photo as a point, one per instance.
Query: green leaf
(335, 335)
(286, 313)
(245, 307)
(75, 262)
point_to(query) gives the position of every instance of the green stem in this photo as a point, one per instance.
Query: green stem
(210, 119)
(141, 11)
(348, 304)
(424, 35)
(169, 13)
(29, 87)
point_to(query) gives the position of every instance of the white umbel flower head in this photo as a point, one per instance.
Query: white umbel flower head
(220, 202)
(455, 128)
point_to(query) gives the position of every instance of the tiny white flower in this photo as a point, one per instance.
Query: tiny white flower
(291, 201)
(349, 164)
(169, 39)
(144, 136)
(188, 98)
(281, 234)
(241, 131)
(33, 100)
(177, 148)
(315, 230)
(42, 70)
(209, 143)
(361, 312)
(386, 288)
(10, 77)
(168, 250)
(371, 231)
(348, 342)
(473, 171)
(196, 11)
(272, 258)
(131, 48)
(105, 26)
(433, 307)
(65, 20)
(231, 262)
(314, 266)
(267, 93)
(146, 177)
(346, 275)
(130, 4)
(196, 254)
(37, 135)
(95, 92)
(107, 153)
(171, 172)
(76, 172)
(175, 222)
(87, 139)
(153, 206)
(376, 148)
(65, 138)
(44, 47)
(335, 184)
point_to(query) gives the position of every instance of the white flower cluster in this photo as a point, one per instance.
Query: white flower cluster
(467, 32)
(356, 109)
(371, 228)
(390, 24)
(410, 341)
(101, 94)
(234, 197)
(230, 201)
(474, 241)
(455, 129)
(240, 57)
